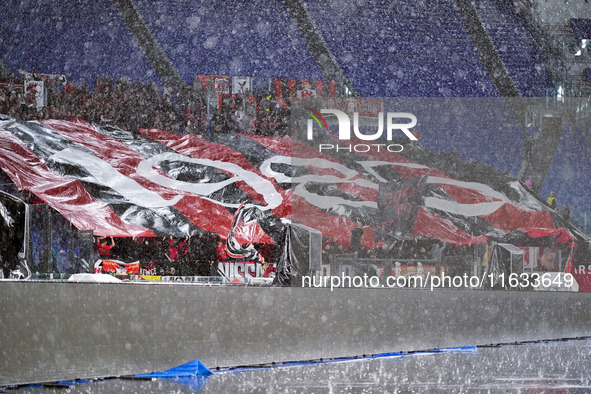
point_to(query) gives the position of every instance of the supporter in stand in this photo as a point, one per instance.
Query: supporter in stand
(552, 200)
(529, 182)
(104, 246)
(158, 123)
(147, 256)
(397, 249)
(327, 252)
(408, 248)
(132, 106)
(416, 248)
(372, 252)
(192, 256)
(30, 104)
(547, 260)
(217, 123)
(3, 102)
(43, 114)
(565, 212)
(207, 257)
(221, 250)
(384, 251)
(127, 250)
(421, 253)
(183, 256)
(436, 252)
(176, 247)
(341, 249)
(162, 250)
(356, 245)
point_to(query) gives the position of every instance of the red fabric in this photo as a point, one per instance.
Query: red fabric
(561, 235)
(432, 226)
(175, 249)
(222, 252)
(278, 90)
(104, 249)
(464, 195)
(126, 160)
(509, 217)
(218, 220)
(319, 87)
(288, 147)
(66, 195)
(332, 87)
(70, 198)
(291, 87)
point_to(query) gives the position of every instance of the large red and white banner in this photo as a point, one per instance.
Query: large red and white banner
(107, 180)
(104, 179)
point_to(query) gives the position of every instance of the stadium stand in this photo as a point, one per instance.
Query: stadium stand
(77, 38)
(390, 49)
(518, 50)
(229, 38)
(570, 172)
(409, 48)
(581, 28)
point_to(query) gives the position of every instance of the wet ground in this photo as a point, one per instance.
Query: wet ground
(545, 367)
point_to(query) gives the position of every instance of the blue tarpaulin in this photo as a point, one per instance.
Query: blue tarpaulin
(192, 368)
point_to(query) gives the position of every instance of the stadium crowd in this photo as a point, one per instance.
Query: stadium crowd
(132, 106)
(188, 256)
(413, 249)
